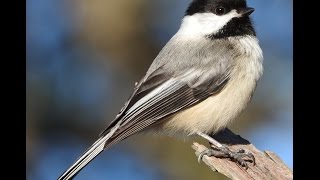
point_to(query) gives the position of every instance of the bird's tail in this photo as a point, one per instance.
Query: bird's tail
(88, 156)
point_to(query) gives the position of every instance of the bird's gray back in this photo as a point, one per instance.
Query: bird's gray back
(201, 56)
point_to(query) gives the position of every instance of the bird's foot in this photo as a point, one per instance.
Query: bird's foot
(224, 152)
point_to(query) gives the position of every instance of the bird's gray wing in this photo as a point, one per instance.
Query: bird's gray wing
(163, 94)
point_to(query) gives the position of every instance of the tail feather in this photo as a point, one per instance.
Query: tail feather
(88, 156)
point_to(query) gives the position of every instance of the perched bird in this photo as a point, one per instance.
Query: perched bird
(201, 80)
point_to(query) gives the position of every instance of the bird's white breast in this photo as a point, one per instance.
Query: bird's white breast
(217, 111)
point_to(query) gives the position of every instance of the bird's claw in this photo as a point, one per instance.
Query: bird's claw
(224, 152)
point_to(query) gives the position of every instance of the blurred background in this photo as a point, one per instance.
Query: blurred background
(83, 58)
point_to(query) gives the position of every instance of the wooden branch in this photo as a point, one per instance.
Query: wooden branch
(268, 164)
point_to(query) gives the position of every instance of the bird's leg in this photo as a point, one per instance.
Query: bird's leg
(220, 151)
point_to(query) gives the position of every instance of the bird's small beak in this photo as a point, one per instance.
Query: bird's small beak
(245, 11)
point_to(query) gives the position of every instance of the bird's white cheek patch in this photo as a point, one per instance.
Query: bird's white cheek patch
(205, 23)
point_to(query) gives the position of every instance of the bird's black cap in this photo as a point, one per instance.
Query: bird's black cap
(201, 6)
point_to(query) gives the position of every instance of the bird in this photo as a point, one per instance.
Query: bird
(201, 80)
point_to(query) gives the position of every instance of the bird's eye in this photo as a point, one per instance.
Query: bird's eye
(220, 10)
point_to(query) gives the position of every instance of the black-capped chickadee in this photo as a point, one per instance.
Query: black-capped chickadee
(200, 81)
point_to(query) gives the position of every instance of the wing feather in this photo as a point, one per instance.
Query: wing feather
(163, 101)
